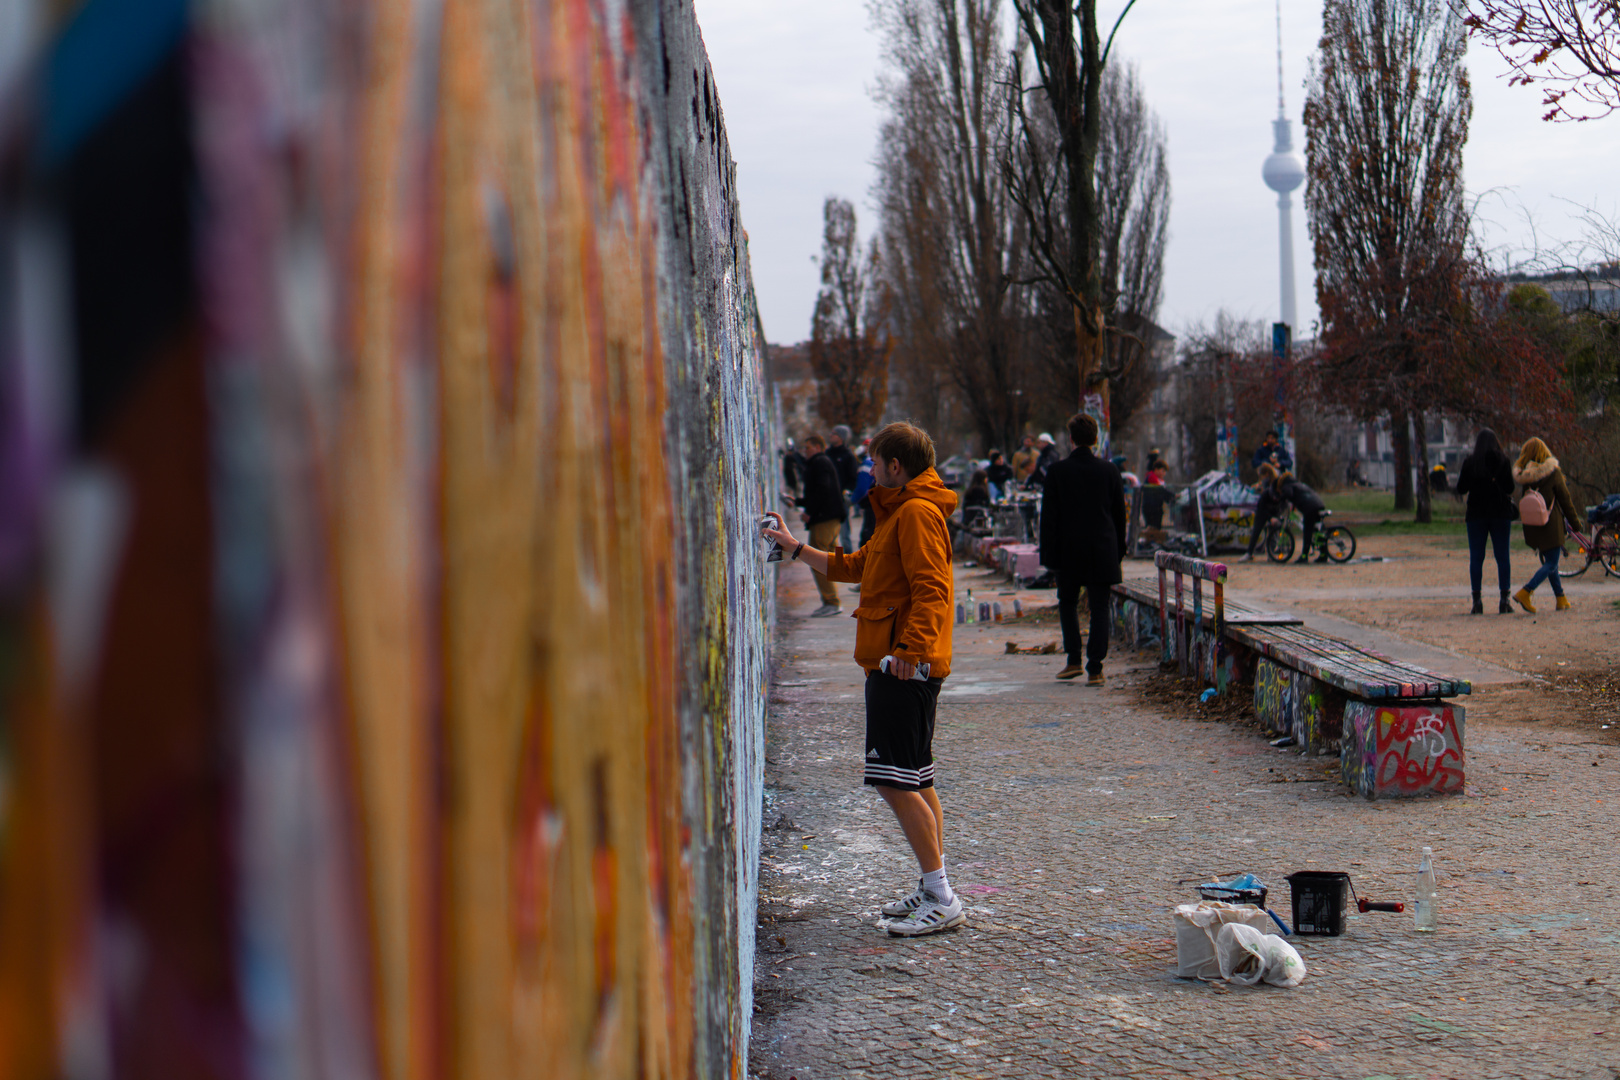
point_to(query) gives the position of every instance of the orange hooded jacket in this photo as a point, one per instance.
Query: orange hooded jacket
(907, 589)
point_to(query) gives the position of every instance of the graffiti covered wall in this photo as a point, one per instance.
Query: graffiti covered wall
(382, 630)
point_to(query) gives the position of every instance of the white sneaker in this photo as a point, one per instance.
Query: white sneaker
(825, 610)
(931, 917)
(899, 909)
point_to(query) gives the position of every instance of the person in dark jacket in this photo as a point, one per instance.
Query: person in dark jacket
(1083, 540)
(1537, 470)
(1486, 478)
(792, 469)
(848, 468)
(1271, 451)
(1271, 505)
(1310, 507)
(976, 501)
(1000, 474)
(824, 512)
(1043, 463)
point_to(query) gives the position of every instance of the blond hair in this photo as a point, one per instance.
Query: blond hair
(1533, 451)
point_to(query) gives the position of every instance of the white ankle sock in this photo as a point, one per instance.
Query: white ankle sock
(935, 882)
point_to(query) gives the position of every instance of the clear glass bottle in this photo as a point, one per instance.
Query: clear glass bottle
(1423, 912)
(972, 612)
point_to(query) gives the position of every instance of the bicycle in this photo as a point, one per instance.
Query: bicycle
(1337, 542)
(1603, 546)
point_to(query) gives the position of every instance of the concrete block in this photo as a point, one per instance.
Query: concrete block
(1402, 749)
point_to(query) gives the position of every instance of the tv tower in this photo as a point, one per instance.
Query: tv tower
(1283, 172)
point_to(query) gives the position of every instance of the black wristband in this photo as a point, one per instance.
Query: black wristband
(797, 550)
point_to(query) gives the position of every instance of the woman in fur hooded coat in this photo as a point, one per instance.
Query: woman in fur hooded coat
(1537, 470)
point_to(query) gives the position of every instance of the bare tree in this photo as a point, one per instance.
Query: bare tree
(1058, 193)
(1133, 195)
(949, 237)
(849, 342)
(1385, 121)
(1414, 324)
(1571, 48)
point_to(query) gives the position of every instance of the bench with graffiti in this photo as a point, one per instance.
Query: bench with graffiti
(1397, 734)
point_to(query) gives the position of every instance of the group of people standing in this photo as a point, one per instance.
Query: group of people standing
(826, 480)
(1488, 480)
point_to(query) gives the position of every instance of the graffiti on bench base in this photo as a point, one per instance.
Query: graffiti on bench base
(1273, 695)
(1403, 750)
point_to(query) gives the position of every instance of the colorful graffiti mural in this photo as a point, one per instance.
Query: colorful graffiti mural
(383, 638)
(1403, 750)
(1289, 702)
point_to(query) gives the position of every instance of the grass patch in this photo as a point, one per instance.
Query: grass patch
(1372, 513)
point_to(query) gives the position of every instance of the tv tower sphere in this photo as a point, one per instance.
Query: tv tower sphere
(1284, 170)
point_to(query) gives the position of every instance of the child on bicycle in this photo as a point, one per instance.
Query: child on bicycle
(1278, 491)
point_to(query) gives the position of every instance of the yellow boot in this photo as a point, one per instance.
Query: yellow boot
(1523, 599)
(1564, 604)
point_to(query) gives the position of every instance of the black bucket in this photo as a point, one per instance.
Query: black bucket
(1318, 899)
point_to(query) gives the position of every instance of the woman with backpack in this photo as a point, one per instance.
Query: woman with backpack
(1544, 505)
(1486, 478)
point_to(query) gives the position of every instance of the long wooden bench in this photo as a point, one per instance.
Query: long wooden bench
(1396, 734)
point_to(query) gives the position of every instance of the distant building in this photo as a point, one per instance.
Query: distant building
(1156, 425)
(1373, 444)
(1595, 290)
(788, 373)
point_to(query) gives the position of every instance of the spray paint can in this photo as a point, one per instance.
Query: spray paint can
(995, 611)
(1018, 608)
(984, 611)
(961, 613)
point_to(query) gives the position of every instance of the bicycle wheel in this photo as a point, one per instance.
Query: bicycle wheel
(1575, 565)
(1607, 542)
(1341, 543)
(1280, 544)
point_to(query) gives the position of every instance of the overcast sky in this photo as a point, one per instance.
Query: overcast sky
(795, 81)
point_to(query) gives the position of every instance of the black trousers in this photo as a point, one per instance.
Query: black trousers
(1312, 520)
(1068, 596)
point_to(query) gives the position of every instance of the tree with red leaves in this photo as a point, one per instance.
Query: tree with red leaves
(1412, 321)
(1570, 48)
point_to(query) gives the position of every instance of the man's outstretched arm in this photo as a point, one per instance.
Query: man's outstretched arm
(833, 566)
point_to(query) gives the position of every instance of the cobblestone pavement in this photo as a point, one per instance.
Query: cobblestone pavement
(1076, 818)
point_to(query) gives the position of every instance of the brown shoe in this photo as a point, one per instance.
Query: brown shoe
(1073, 671)
(1523, 599)
(1094, 679)
(1564, 604)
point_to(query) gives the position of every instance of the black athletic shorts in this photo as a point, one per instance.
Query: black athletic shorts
(900, 731)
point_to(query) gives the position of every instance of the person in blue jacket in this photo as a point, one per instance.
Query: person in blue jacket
(863, 485)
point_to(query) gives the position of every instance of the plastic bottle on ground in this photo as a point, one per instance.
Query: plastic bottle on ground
(972, 612)
(1423, 912)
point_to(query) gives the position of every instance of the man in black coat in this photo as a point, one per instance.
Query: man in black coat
(824, 511)
(1083, 539)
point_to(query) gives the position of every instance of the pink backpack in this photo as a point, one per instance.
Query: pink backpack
(1533, 509)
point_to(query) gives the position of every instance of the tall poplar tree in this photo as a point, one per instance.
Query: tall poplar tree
(1385, 121)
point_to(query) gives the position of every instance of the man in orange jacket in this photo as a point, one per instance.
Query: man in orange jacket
(903, 642)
